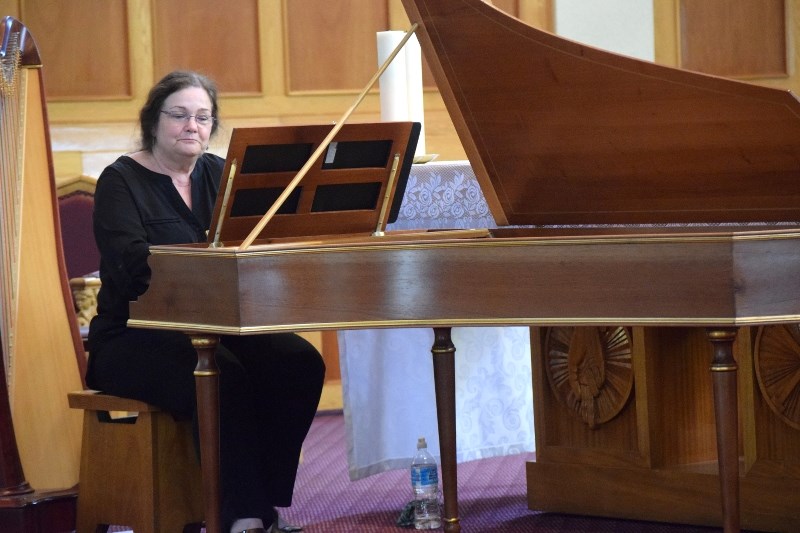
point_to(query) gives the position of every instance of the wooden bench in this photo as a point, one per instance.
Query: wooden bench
(139, 467)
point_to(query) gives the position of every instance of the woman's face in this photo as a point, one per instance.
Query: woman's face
(179, 133)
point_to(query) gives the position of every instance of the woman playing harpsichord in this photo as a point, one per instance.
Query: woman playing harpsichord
(270, 385)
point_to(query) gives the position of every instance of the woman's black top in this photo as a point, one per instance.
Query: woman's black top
(135, 208)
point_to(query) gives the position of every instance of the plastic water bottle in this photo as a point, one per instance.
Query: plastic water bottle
(425, 482)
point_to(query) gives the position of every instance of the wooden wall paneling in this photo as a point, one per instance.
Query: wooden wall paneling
(509, 6)
(221, 42)
(84, 46)
(752, 40)
(669, 30)
(137, 68)
(666, 32)
(793, 48)
(791, 79)
(538, 13)
(10, 8)
(271, 103)
(742, 39)
(332, 48)
(398, 19)
(271, 43)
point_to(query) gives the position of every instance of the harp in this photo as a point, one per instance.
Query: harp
(43, 358)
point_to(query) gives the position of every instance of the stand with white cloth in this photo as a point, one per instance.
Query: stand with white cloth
(387, 375)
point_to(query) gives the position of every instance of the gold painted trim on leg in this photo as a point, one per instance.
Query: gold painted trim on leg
(203, 341)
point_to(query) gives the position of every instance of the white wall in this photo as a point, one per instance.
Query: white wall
(621, 26)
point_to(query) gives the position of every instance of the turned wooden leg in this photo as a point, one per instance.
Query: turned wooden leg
(206, 375)
(444, 377)
(723, 369)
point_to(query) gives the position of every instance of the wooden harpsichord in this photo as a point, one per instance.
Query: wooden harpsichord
(648, 199)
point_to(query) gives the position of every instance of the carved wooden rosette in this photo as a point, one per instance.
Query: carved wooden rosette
(777, 361)
(590, 370)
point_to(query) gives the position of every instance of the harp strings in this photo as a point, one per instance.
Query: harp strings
(11, 147)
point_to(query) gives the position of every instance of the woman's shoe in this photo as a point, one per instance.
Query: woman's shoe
(283, 527)
(280, 526)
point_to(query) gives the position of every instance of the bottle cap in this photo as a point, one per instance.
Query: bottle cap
(421, 443)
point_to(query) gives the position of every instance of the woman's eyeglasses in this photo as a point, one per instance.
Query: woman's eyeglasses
(202, 119)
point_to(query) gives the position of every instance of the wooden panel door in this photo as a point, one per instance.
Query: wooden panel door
(331, 46)
(218, 40)
(751, 40)
(84, 45)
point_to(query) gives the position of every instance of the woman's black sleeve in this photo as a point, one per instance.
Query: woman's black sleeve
(120, 235)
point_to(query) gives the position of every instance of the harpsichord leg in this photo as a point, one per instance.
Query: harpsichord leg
(445, 382)
(726, 407)
(206, 375)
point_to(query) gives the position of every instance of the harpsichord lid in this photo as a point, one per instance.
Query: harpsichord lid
(563, 133)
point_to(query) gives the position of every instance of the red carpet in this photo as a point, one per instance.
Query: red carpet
(491, 496)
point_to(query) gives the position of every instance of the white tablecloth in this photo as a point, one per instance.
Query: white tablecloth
(387, 374)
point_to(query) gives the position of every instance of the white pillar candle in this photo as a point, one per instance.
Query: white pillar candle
(401, 92)
(393, 85)
(416, 108)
